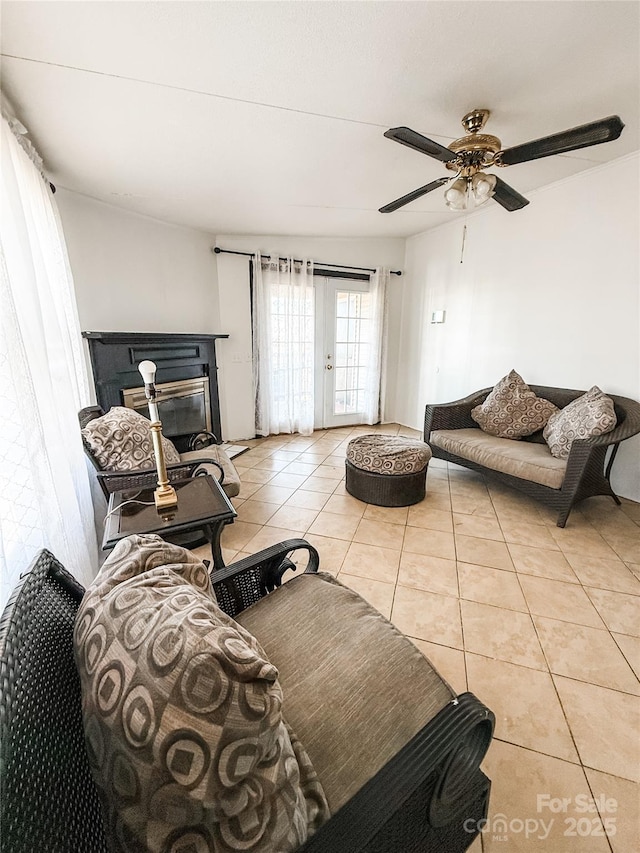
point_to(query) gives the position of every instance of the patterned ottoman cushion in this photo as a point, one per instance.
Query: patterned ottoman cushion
(182, 713)
(388, 454)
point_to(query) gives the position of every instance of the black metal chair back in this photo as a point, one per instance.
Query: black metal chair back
(48, 800)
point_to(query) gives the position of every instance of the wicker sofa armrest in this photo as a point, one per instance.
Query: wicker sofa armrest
(629, 427)
(454, 415)
(583, 450)
(146, 478)
(245, 582)
(432, 782)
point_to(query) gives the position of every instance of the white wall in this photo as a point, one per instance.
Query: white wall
(552, 290)
(233, 278)
(136, 274)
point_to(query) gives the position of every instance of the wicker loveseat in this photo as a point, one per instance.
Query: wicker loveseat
(429, 795)
(527, 464)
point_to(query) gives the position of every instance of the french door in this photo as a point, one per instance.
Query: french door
(342, 352)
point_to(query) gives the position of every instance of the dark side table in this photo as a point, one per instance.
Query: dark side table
(202, 505)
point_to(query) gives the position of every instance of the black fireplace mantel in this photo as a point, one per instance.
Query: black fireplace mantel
(115, 357)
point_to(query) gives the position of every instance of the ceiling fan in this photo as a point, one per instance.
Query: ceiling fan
(470, 155)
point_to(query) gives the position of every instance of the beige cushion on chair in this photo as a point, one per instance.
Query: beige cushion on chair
(355, 690)
(231, 482)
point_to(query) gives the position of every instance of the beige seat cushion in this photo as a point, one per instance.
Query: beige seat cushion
(355, 690)
(231, 483)
(522, 459)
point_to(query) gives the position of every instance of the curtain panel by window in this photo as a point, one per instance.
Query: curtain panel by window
(376, 377)
(283, 345)
(45, 496)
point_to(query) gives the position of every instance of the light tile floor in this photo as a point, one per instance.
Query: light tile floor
(542, 624)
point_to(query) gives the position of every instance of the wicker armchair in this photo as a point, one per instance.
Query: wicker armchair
(590, 460)
(192, 463)
(430, 796)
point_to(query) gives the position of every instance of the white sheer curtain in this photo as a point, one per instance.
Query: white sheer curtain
(45, 499)
(283, 345)
(376, 377)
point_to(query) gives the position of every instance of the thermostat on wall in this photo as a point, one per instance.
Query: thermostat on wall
(437, 316)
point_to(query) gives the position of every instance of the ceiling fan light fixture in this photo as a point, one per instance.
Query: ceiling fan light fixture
(455, 195)
(469, 192)
(483, 186)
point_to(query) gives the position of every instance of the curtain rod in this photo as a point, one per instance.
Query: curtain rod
(218, 251)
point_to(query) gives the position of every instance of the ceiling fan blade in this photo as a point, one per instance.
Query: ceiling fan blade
(604, 130)
(508, 197)
(408, 137)
(412, 196)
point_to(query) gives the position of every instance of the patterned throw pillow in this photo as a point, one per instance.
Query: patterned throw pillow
(182, 715)
(120, 440)
(588, 415)
(512, 410)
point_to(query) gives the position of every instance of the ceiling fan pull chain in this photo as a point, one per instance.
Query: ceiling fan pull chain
(464, 237)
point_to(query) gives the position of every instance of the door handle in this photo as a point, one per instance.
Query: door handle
(329, 367)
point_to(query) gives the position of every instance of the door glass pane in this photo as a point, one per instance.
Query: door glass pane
(342, 304)
(342, 330)
(354, 330)
(352, 351)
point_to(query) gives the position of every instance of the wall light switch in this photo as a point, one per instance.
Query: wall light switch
(437, 316)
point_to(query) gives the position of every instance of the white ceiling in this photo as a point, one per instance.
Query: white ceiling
(268, 117)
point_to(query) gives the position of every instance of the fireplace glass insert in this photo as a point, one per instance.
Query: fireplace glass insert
(183, 406)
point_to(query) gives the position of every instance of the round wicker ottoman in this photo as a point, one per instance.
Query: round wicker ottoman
(387, 470)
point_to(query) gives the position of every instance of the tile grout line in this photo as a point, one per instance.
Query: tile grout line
(462, 631)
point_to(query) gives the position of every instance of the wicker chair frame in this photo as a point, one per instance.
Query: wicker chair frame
(431, 797)
(590, 460)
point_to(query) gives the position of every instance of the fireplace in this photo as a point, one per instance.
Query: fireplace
(186, 378)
